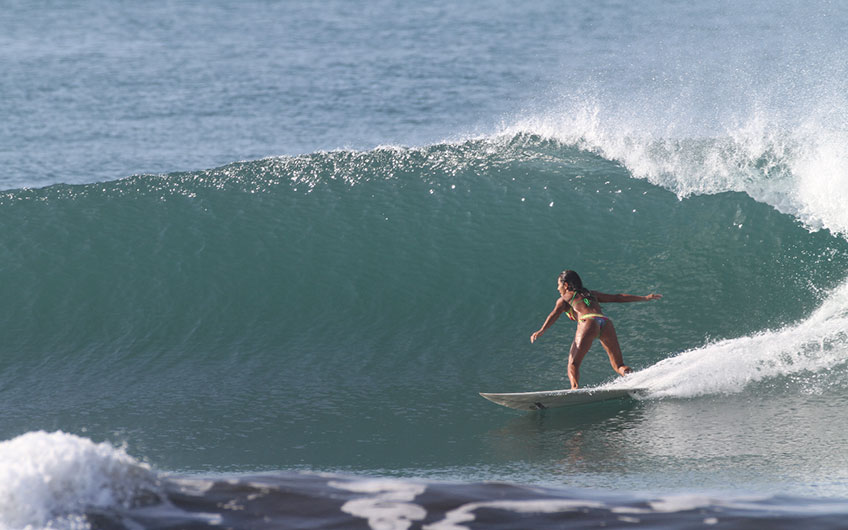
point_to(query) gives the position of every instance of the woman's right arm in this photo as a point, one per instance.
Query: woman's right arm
(559, 308)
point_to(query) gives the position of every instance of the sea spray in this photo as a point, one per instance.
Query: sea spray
(816, 346)
(52, 479)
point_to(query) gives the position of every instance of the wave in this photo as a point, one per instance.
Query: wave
(384, 275)
(263, 267)
(58, 480)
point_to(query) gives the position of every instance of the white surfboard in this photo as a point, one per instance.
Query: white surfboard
(559, 398)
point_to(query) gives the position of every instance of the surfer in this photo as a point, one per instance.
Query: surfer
(583, 306)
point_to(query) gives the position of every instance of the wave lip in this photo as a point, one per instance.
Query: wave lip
(796, 162)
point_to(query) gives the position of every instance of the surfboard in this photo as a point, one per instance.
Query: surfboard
(559, 398)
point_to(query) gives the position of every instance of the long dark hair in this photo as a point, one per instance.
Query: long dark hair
(574, 283)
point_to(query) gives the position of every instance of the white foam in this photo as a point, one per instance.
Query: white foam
(794, 160)
(815, 344)
(465, 513)
(388, 506)
(50, 479)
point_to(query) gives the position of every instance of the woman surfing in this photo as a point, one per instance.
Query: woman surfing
(583, 306)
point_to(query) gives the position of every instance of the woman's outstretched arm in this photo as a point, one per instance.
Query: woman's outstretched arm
(604, 297)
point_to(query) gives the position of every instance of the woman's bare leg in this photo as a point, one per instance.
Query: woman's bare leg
(609, 340)
(587, 330)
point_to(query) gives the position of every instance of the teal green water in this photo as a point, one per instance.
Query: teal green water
(341, 310)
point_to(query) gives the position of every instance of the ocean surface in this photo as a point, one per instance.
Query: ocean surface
(258, 259)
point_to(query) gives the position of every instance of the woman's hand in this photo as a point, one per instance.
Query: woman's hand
(535, 336)
(653, 296)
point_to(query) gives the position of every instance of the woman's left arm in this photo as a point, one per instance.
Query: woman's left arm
(604, 297)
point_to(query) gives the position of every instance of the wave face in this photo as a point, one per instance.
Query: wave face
(386, 256)
(309, 312)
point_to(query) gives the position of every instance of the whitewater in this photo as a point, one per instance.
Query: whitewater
(259, 260)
